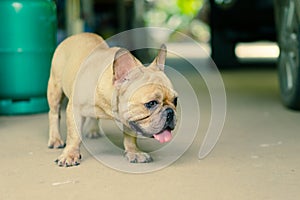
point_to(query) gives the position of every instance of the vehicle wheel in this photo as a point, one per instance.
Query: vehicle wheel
(289, 58)
(222, 47)
(222, 50)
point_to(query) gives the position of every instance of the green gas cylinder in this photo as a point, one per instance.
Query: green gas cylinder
(27, 43)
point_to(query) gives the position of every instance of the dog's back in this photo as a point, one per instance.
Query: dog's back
(69, 55)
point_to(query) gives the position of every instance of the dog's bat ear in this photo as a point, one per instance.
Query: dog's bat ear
(123, 63)
(161, 57)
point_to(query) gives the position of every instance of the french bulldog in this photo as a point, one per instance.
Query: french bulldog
(108, 83)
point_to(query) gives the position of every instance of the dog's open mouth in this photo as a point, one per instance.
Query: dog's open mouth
(163, 136)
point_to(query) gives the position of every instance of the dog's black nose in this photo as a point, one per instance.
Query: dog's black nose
(170, 118)
(170, 113)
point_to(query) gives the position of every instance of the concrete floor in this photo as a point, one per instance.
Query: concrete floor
(256, 157)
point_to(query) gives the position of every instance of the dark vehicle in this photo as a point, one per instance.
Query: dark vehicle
(287, 17)
(234, 21)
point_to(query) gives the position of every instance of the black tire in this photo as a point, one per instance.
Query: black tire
(288, 29)
(222, 46)
(222, 50)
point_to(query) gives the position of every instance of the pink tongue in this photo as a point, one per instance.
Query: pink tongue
(164, 136)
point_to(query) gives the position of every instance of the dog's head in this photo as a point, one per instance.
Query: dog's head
(146, 99)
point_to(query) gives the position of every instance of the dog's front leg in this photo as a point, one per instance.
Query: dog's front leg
(132, 152)
(71, 154)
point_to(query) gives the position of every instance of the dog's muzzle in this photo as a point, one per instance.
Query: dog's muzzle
(170, 121)
(164, 135)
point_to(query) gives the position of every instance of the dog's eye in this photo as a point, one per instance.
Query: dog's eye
(151, 104)
(175, 101)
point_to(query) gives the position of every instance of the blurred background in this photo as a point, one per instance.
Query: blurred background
(231, 24)
(253, 43)
(236, 33)
(108, 18)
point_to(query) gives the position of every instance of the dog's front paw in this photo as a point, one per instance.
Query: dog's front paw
(138, 157)
(55, 143)
(68, 159)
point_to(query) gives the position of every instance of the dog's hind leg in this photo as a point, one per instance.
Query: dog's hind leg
(55, 96)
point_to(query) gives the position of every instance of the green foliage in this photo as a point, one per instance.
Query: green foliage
(189, 7)
(174, 14)
(179, 15)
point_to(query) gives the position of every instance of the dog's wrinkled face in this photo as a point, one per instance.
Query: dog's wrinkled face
(147, 101)
(150, 107)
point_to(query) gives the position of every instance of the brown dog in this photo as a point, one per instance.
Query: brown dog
(103, 82)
